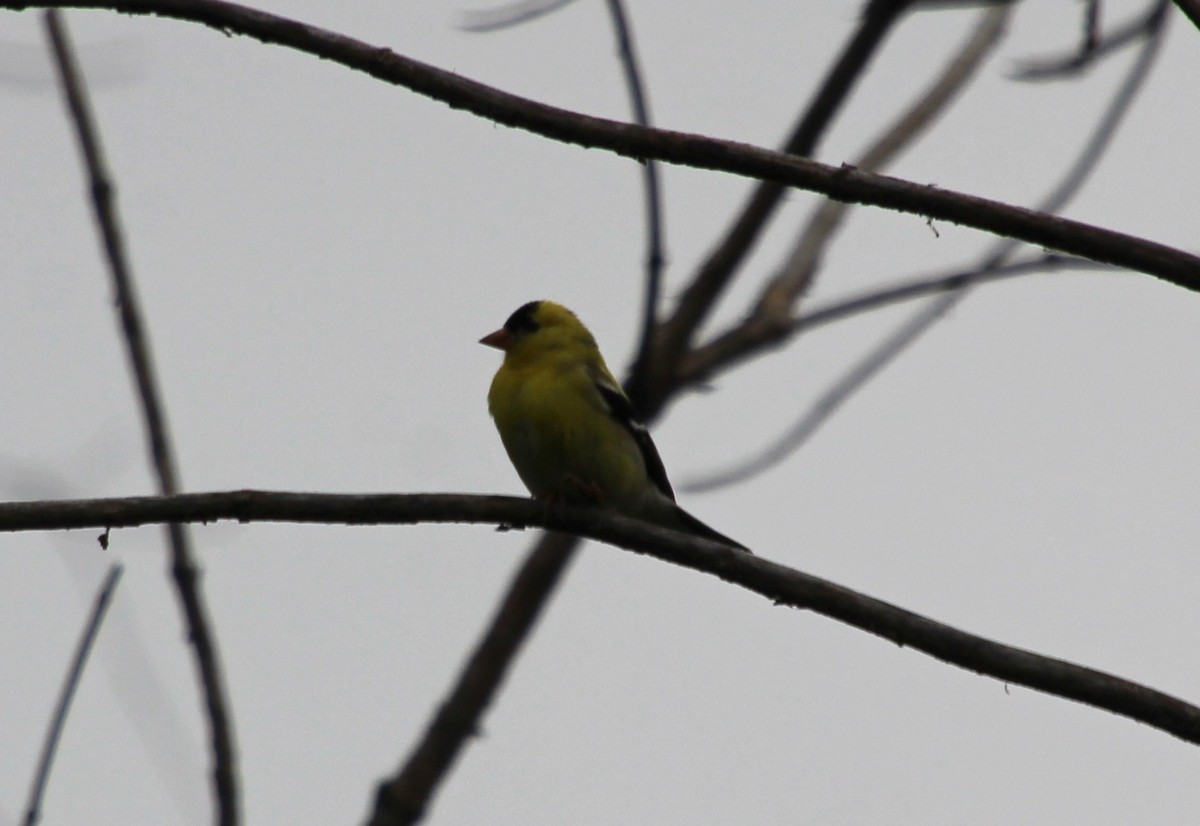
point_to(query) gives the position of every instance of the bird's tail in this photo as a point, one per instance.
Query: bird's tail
(693, 525)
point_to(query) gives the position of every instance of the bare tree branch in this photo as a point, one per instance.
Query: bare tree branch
(510, 14)
(878, 18)
(654, 219)
(768, 330)
(183, 566)
(746, 342)
(405, 797)
(67, 693)
(829, 402)
(780, 584)
(844, 183)
(1093, 48)
(795, 277)
(1106, 127)
(886, 351)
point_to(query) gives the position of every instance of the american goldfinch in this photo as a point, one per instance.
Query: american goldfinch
(569, 428)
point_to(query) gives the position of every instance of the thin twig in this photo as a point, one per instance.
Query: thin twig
(825, 406)
(183, 566)
(776, 582)
(510, 14)
(870, 365)
(1090, 52)
(67, 693)
(1091, 26)
(654, 218)
(744, 342)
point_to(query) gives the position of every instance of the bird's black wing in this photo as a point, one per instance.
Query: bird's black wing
(622, 410)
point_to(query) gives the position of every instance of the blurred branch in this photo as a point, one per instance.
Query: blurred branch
(510, 14)
(844, 183)
(183, 566)
(878, 18)
(654, 221)
(880, 356)
(749, 341)
(778, 583)
(1091, 26)
(404, 798)
(771, 329)
(886, 351)
(1093, 48)
(67, 693)
(1106, 127)
(795, 277)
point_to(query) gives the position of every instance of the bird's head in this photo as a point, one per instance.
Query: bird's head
(537, 328)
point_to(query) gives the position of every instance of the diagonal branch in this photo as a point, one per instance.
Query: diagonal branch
(183, 566)
(830, 401)
(404, 798)
(778, 583)
(67, 693)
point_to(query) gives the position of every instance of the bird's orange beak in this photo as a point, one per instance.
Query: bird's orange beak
(499, 339)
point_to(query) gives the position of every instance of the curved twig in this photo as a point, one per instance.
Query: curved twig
(1094, 47)
(67, 693)
(829, 402)
(746, 342)
(510, 14)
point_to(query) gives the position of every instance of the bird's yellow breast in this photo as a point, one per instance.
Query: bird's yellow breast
(556, 430)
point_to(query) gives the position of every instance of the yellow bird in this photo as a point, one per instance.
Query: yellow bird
(568, 427)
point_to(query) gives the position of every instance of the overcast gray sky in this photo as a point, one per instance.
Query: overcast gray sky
(318, 254)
